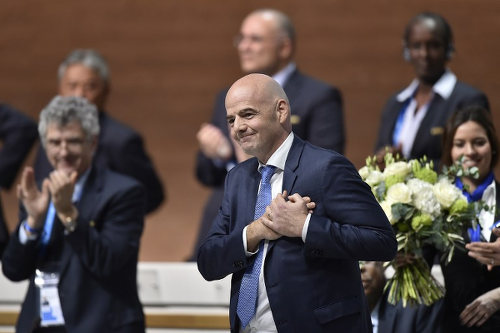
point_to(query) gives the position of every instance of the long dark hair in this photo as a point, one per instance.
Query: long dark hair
(478, 115)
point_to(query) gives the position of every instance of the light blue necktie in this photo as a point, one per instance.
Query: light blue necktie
(247, 300)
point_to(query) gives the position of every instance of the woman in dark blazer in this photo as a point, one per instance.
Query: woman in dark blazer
(472, 299)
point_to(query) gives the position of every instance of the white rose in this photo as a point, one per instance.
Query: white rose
(374, 178)
(425, 200)
(446, 193)
(387, 207)
(364, 172)
(397, 169)
(399, 193)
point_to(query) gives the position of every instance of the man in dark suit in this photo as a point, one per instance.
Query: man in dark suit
(78, 237)
(300, 268)
(85, 73)
(389, 318)
(18, 133)
(413, 120)
(266, 44)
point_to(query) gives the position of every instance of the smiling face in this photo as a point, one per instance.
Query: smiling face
(68, 148)
(471, 141)
(257, 116)
(427, 51)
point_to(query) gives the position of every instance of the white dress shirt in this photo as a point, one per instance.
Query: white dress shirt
(413, 116)
(263, 320)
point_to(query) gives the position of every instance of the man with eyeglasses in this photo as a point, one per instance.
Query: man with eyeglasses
(79, 232)
(266, 44)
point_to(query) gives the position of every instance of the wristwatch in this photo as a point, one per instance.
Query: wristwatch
(69, 223)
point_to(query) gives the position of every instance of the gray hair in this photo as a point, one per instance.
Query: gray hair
(89, 58)
(64, 110)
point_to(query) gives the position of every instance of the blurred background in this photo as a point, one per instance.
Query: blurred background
(169, 58)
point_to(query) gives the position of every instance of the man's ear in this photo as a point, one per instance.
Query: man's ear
(286, 49)
(283, 110)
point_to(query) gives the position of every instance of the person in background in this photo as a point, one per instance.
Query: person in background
(413, 120)
(292, 270)
(266, 44)
(389, 318)
(17, 135)
(77, 241)
(472, 299)
(85, 73)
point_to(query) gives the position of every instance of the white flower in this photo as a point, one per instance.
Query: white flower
(374, 178)
(446, 193)
(397, 169)
(364, 172)
(387, 207)
(424, 198)
(399, 193)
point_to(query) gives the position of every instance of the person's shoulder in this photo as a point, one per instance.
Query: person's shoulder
(462, 88)
(310, 83)
(109, 123)
(115, 132)
(118, 181)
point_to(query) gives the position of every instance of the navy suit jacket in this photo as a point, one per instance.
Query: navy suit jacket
(316, 286)
(428, 140)
(97, 263)
(120, 149)
(18, 133)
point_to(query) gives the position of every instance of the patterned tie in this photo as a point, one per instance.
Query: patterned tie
(247, 300)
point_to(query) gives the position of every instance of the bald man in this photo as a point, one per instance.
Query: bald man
(266, 44)
(294, 258)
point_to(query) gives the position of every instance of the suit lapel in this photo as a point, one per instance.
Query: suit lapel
(249, 189)
(386, 315)
(86, 206)
(291, 165)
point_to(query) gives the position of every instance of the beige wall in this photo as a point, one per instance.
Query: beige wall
(170, 57)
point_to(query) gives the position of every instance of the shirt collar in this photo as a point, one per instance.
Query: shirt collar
(80, 183)
(282, 76)
(278, 158)
(443, 87)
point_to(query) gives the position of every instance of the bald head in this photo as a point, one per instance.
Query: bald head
(258, 114)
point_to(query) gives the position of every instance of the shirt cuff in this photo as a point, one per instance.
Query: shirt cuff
(305, 227)
(23, 235)
(244, 236)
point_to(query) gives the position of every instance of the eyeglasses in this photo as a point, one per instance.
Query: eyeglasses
(72, 144)
(253, 39)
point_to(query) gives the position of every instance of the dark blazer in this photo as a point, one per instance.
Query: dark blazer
(316, 286)
(429, 137)
(409, 319)
(316, 117)
(18, 133)
(97, 262)
(120, 149)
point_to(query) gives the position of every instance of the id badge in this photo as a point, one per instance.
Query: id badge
(50, 305)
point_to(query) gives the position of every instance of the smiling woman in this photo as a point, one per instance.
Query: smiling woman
(473, 292)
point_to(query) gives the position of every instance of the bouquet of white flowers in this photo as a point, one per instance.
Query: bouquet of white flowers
(424, 208)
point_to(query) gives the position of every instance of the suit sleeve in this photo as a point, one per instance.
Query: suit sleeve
(354, 226)
(222, 252)
(17, 134)
(385, 127)
(326, 123)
